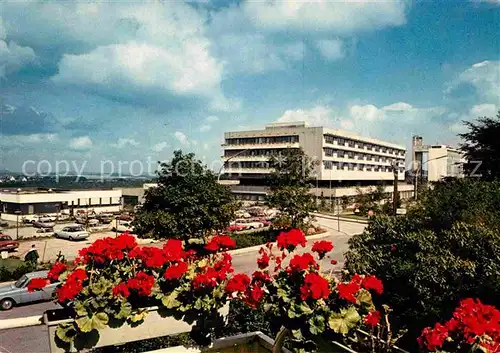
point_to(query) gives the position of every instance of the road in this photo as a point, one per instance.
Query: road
(35, 339)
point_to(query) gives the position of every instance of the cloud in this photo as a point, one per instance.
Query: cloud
(317, 116)
(124, 142)
(367, 112)
(481, 110)
(212, 118)
(400, 106)
(13, 57)
(144, 68)
(205, 127)
(343, 17)
(484, 77)
(331, 49)
(182, 138)
(160, 146)
(23, 140)
(81, 143)
(256, 53)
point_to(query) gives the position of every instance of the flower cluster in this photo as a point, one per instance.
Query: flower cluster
(302, 297)
(37, 284)
(105, 250)
(72, 286)
(291, 239)
(56, 271)
(142, 284)
(472, 323)
(220, 242)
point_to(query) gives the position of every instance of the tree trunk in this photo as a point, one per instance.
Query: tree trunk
(280, 340)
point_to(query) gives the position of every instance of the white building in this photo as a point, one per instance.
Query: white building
(344, 159)
(42, 201)
(444, 161)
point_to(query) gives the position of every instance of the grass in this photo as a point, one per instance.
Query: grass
(10, 264)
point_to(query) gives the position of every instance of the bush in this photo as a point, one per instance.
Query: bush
(12, 269)
(245, 240)
(445, 250)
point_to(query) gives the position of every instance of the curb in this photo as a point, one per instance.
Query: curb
(257, 247)
(343, 219)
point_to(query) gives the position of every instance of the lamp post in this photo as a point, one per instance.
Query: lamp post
(417, 172)
(18, 212)
(219, 174)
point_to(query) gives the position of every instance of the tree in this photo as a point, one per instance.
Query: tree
(482, 147)
(290, 187)
(445, 249)
(187, 203)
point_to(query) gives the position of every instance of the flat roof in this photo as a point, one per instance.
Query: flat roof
(26, 191)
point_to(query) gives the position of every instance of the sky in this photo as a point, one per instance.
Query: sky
(102, 86)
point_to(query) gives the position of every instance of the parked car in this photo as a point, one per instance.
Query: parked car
(249, 223)
(74, 232)
(4, 224)
(124, 227)
(233, 227)
(44, 223)
(7, 243)
(125, 217)
(45, 230)
(93, 222)
(105, 218)
(13, 294)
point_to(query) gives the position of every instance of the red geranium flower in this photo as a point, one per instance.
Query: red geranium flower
(373, 318)
(150, 256)
(322, 247)
(259, 276)
(142, 283)
(238, 283)
(121, 290)
(263, 261)
(173, 250)
(205, 280)
(291, 239)
(37, 284)
(433, 338)
(56, 271)
(220, 242)
(73, 285)
(175, 271)
(302, 262)
(315, 287)
(348, 290)
(373, 283)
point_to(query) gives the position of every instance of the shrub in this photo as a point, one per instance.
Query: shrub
(244, 240)
(425, 272)
(12, 269)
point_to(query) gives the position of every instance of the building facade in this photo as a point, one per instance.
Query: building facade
(342, 159)
(26, 202)
(442, 161)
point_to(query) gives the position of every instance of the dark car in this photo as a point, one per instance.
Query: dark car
(7, 243)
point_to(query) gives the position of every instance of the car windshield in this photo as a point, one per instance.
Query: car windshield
(21, 282)
(76, 229)
(4, 237)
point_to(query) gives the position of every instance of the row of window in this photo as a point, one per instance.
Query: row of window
(342, 141)
(262, 140)
(88, 202)
(358, 167)
(253, 152)
(246, 164)
(331, 152)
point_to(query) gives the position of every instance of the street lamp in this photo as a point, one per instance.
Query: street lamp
(18, 212)
(219, 174)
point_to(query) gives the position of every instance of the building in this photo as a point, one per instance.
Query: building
(442, 161)
(27, 202)
(344, 159)
(135, 196)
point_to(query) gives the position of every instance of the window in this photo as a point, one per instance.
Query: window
(368, 168)
(341, 142)
(340, 166)
(360, 167)
(351, 143)
(377, 149)
(350, 166)
(350, 155)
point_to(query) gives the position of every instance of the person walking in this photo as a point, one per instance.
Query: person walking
(32, 255)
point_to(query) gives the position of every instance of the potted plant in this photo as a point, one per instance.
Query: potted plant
(119, 292)
(307, 303)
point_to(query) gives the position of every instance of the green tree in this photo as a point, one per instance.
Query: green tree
(446, 249)
(482, 147)
(187, 203)
(290, 187)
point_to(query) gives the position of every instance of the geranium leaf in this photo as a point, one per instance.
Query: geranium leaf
(316, 325)
(84, 323)
(125, 311)
(170, 301)
(65, 333)
(344, 321)
(305, 308)
(297, 334)
(365, 297)
(99, 320)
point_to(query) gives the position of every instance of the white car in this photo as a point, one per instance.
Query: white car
(44, 223)
(74, 232)
(124, 227)
(249, 224)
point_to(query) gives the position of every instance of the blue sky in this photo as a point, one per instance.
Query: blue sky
(103, 81)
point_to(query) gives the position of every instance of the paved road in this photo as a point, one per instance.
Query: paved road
(35, 339)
